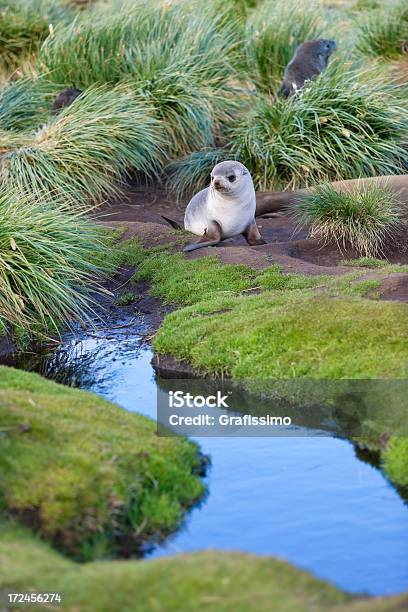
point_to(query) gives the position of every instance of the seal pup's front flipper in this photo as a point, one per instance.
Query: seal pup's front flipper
(173, 223)
(212, 236)
(252, 235)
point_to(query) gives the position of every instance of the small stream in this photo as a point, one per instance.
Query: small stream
(309, 499)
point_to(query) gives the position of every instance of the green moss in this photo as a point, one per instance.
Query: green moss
(92, 478)
(276, 335)
(372, 262)
(273, 278)
(177, 279)
(354, 284)
(364, 262)
(126, 298)
(296, 326)
(395, 460)
(201, 581)
(211, 581)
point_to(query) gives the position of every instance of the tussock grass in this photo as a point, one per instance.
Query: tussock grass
(25, 104)
(24, 25)
(274, 31)
(382, 32)
(366, 217)
(80, 156)
(179, 59)
(22, 29)
(365, 5)
(346, 124)
(49, 265)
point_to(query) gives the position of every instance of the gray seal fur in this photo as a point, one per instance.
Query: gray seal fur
(224, 209)
(310, 59)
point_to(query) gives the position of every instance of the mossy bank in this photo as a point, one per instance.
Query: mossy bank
(261, 324)
(211, 581)
(88, 476)
(265, 325)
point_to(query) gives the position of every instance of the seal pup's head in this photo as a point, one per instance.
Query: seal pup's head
(65, 98)
(230, 178)
(322, 46)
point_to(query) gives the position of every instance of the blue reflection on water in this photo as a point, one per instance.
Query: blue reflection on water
(308, 500)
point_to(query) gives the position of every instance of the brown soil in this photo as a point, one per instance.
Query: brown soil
(142, 209)
(395, 288)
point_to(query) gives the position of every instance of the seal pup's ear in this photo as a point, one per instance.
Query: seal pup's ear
(211, 237)
(252, 235)
(173, 223)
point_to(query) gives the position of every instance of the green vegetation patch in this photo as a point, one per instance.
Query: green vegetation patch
(199, 581)
(126, 298)
(80, 156)
(276, 335)
(372, 262)
(383, 31)
(395, 459)
(317, 326)
(91, 478)
(366, 218)
(346, 124)
(50, 263)
(192, 281)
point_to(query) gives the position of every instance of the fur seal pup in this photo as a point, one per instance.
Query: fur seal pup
(310, 59)
(224, 209)
(65, 98)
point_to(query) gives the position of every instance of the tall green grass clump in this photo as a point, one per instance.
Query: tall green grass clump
(25, 104)
(83, 154)
(367, 218)
(365, 5)
(49, 263)
(273, 33)
(178, 58)
(382, 32)
(346, 124)
(24, 25)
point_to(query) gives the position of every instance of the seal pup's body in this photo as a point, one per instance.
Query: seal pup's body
(65, 98)
(224, 209)
(310, 59)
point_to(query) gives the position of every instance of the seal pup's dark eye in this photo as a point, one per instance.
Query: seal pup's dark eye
(231, 178)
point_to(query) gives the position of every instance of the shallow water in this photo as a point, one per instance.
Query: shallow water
(309, 500)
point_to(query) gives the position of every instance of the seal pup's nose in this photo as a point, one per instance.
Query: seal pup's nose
(217, 184)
